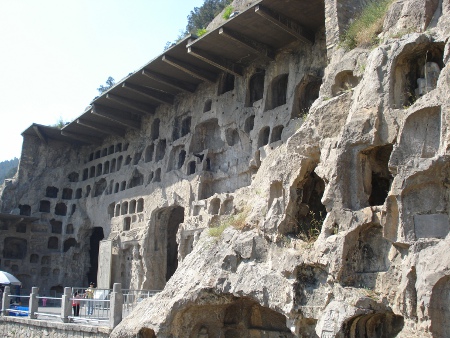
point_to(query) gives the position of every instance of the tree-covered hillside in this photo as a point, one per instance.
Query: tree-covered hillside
(8, 169)
(200, 17)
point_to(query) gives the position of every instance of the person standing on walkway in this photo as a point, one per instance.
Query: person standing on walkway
(90, 296)
(76, 304)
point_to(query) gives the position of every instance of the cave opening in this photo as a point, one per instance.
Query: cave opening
(94, 242)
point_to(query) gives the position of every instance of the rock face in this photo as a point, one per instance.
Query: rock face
(307, 197)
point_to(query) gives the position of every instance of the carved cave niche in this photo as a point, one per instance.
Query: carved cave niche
(117, 210)
(113, 165)
(69, 243)
(255, 90)
(384, 324)
(307, 211)
(118, 147)
(61, 209)
(276, 134)
(140, 205)
(157, 177)
(192, 166)
(25, 209)
(137, 158)
(106, 168)
(67, 194)
(377, 178)
(73, 177)
(69, 229)
(208, 106)
(155, 129)
(420, 136)
(104, 152)
(45, 260)
(78, 193)
(239, 317)
(51, 192)
(249, 124)
(226, 83)
(136, 180)
(98, 154)
(206, 136)
(177, 158)
(53, 243)
(277, 92)
(127, 223)
(91, 157)
(111, 208)
(111, 150)
(92, 172)
(116, 187)
(308, 286)
(34, 258)
(85, 174)
(232, 136)
(214, 206)
(56, 226)
(343, 82)
(148, 156)
(88, 191)
(416, 72)
(14, 248)
(119, 162)
(365, 255)
(123, 185)
(128, 160)
(160, 150)
(306, 93)
(124, 208)
(439, 309)
(167, 222)
(227, 207)
(132, 208)
(263, 138)
(21, 228)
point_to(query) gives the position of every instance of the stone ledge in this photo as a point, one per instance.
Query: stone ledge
(55, 325)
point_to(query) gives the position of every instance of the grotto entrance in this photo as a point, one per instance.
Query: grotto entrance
(94, 243)
(167, 223)
(309, 212)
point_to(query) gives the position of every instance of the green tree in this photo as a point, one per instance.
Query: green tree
(109, 83)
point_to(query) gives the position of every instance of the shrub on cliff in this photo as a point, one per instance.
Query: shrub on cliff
(364, 30)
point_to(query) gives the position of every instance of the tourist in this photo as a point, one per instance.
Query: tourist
(89, 294)
(76, 304)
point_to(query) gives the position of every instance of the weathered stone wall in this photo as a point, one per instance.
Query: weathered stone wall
(326, 170)
(19, 328)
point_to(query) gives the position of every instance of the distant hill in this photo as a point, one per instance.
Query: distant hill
(8, 169)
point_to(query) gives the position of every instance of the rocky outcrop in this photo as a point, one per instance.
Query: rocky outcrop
(308, 197)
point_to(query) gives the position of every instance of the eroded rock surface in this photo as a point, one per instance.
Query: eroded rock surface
(326, 169)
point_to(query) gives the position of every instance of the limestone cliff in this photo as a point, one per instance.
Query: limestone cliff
(270, 182)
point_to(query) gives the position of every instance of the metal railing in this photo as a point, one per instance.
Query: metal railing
(107, 307)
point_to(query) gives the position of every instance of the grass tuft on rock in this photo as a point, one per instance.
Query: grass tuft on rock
(364, 30)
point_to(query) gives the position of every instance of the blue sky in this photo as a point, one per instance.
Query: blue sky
(54, 54)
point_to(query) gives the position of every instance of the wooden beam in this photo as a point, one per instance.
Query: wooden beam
(82, 137)
(116, 115)
(221, 63)
(40, 134)
(288, 25)
(194, 71)
(170, 81)
(255, 46)
(136, 106)
(149, 93)
(101, 127)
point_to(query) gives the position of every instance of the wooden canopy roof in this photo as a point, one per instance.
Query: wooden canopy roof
(257, 33)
